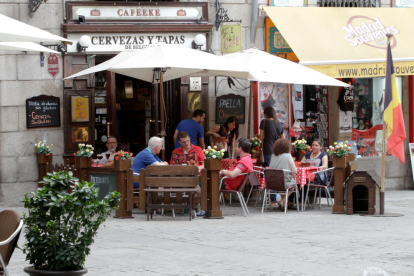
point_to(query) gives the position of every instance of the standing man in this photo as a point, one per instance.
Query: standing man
(193, 128)
(244, 165)
(111, 144)
(148, 156)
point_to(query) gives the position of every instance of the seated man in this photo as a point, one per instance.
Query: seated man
(244, 165)
(148, 156)
(111, 144)
(189, 149)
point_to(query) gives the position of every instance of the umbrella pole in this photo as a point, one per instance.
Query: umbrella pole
(162, 113)
(250, 110)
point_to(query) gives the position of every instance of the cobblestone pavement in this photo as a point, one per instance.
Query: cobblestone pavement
(313, 242)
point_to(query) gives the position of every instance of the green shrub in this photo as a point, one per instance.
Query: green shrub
(63, 219)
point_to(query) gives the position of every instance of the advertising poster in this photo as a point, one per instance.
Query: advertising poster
(80, 109)
(277, 96)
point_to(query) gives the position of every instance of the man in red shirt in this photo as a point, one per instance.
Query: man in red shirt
(244, 165)
(189, 149)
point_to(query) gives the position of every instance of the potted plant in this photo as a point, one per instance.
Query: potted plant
(339, 152)
(213, 158)
(43, 152)
(256, 145)
(83, 156)
(64, 216)
(299, 148)
(122, 160)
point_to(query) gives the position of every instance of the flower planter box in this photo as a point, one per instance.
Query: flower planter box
(83, 162)
(350, 157)
(212, 164)
(122, 165)
(339, 162)
(43, 158)
(298, 155)
(255, 154)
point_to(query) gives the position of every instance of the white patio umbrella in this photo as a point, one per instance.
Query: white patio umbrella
(25, 46)
(12, 30)
(170, 61)
(264, 67)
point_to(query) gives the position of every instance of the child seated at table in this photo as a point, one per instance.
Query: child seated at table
(281, 159)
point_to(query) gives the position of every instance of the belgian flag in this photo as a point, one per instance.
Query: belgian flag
(393, 114)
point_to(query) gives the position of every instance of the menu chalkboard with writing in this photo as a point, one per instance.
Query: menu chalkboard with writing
(230, 105)
(43, 111)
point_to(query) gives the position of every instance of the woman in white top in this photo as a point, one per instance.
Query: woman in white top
(281, 159)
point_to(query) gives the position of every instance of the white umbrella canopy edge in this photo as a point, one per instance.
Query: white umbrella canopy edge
(178, 60)
(103, 66)
(25, 46)
(175, 56)
(265, 67)
(22, 32)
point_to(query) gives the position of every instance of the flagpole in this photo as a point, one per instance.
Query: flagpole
(384, 138)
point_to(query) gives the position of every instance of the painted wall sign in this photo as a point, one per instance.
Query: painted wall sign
(112, 42)
(42, 111)
(276, 44)
(230, 105)
(372, 32)
(80, 109)
(53, 65)
(231, 38)
(288, 3)
(137, 12)
(105, 182)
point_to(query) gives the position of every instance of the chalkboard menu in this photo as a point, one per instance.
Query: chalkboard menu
(230, 105)
(42, 111)
(105, 182)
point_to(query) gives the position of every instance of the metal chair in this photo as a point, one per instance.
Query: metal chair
(255, 183)
(275, 184)
(11, 224)
(238, 192)
(318, 187)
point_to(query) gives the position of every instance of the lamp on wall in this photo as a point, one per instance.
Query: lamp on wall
(199, 41)
(83, 43)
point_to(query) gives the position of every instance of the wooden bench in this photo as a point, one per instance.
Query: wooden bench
(173, 179)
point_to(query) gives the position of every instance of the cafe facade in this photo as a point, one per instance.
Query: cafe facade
(353, 49)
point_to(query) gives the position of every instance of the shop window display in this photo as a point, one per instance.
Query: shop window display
(367, 115)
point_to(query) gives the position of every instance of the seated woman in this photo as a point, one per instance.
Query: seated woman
(316, 158)
(281, 159)
(224, 136)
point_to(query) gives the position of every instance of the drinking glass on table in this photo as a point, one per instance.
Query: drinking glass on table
(99, 156)
(107, 156)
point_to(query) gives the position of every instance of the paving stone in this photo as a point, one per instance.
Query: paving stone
(313, 242)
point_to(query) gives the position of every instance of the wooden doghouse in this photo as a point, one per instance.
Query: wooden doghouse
(362, 193)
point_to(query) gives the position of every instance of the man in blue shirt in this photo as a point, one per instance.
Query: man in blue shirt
(193, 128)
(148, 156)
